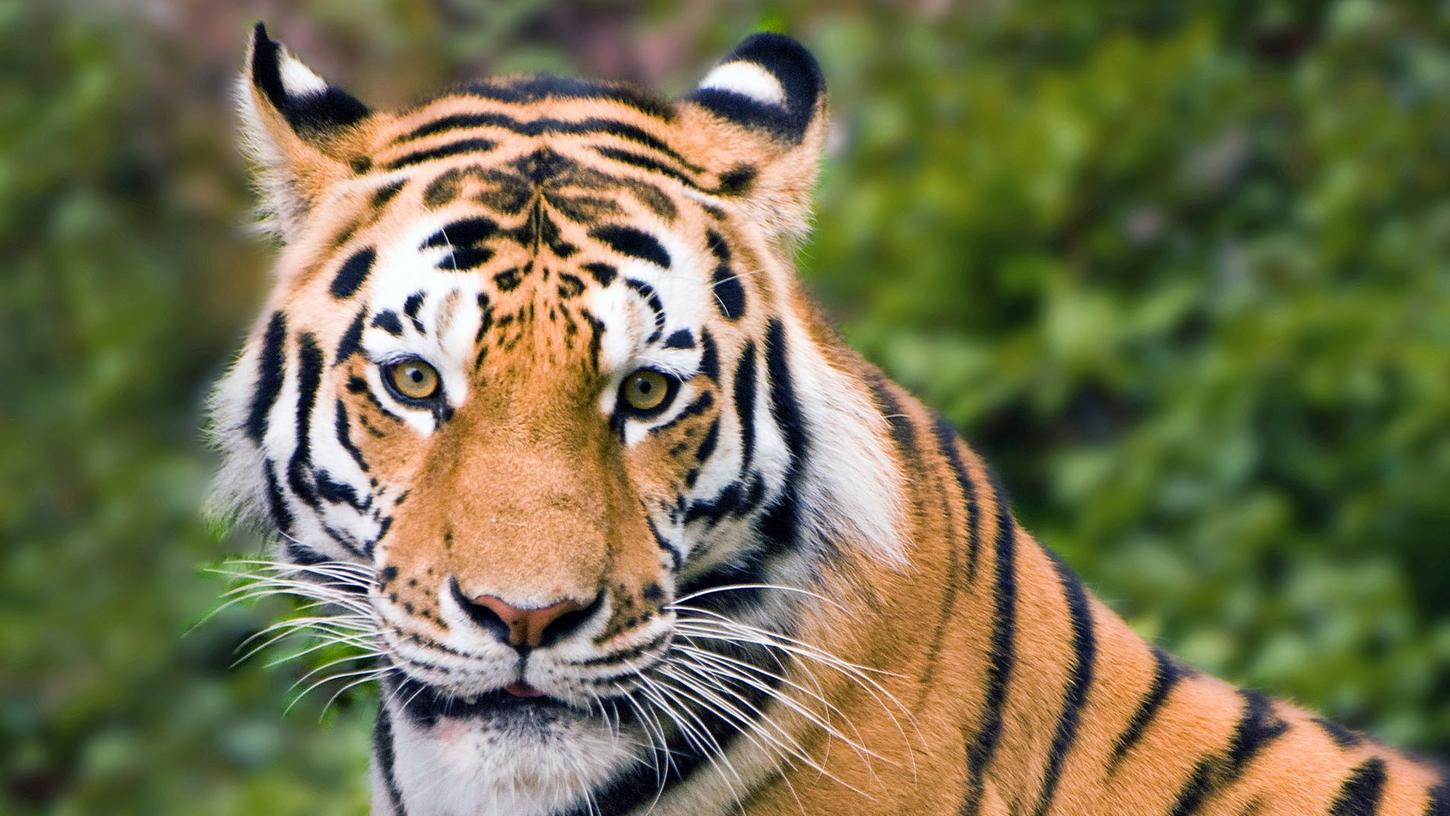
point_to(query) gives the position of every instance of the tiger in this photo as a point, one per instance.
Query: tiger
(543, 418)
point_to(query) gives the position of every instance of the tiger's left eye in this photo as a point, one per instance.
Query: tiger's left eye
(412, 379)
(646, 390)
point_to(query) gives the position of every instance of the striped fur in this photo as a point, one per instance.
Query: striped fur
(800, 591)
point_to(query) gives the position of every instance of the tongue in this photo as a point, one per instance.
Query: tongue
(523, 690)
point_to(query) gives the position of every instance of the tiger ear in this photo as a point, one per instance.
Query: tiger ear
(301, 132)
(758, 120)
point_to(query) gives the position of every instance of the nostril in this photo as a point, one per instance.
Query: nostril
(565, 621)
(486, 617)
(525, 627)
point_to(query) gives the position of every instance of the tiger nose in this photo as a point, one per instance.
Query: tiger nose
(528, 627)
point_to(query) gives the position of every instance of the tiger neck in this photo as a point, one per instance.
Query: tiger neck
(992, 632)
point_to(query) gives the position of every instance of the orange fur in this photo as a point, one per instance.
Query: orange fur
(526, 493)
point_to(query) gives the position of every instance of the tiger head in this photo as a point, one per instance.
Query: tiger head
(536, 376)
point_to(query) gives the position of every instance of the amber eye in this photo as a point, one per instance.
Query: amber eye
(411, 379)
(646, 390)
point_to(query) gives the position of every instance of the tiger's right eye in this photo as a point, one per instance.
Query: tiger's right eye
(412, 380)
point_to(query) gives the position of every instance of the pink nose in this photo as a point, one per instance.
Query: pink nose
(527, 627)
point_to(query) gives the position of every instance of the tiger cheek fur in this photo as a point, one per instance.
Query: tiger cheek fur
(540, 409)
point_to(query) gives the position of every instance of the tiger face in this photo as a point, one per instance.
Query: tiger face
(529, 380)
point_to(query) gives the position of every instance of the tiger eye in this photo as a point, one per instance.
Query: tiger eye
(646, 389)
(413, 379)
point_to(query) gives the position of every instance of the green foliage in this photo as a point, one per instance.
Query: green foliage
(1179, 274)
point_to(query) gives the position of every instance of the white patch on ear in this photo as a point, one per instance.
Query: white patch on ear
(298, 79)
(747, 79)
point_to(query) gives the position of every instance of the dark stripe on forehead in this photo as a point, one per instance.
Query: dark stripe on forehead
(442, 152)
(651, 298)
(388, 321)
(538, 88)
(539, 127)
(602, 272)
(269, 376)
(632, 242)
(353, 272)
(465, 232)
(645, 163)
(351, 342)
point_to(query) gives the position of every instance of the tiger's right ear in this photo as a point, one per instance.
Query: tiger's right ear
(302, 133)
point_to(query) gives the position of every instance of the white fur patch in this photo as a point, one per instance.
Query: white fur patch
(748, 79)
(298, 79)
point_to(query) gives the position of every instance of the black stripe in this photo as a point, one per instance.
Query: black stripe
(652, 299)
(441, 152)
(337, 492)
(1257, 728)
(602, 272)
(1166, 675)
(344, 437)
(309, 379)
(388, 321)
(383, 753)
(697, 406)
(735, 499)
(707, 447)
(744, 395)
(679, 339)
(709, 356)
(269, 376)
(729, 294)
(1084, 646)
(386, 193)
(1342, 736)
(1439, 801)
(645, 163)
(537, 88)
(632, 242)
(676, 557)
(783, 405)
(538, 127)
(352, 273)
(351, 342)
(466, 232)
(276, 502)
(1002, 654)
(1195, 790)
(948, 444)
(411, 306)
(1361, 792)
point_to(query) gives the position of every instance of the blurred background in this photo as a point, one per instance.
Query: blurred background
(1184, 276)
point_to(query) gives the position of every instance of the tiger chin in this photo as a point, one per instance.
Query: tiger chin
(540, 412)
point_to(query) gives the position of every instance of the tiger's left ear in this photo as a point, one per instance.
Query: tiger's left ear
(758, 121)
(302, 133)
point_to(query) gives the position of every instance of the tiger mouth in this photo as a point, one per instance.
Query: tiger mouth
(518, 702)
